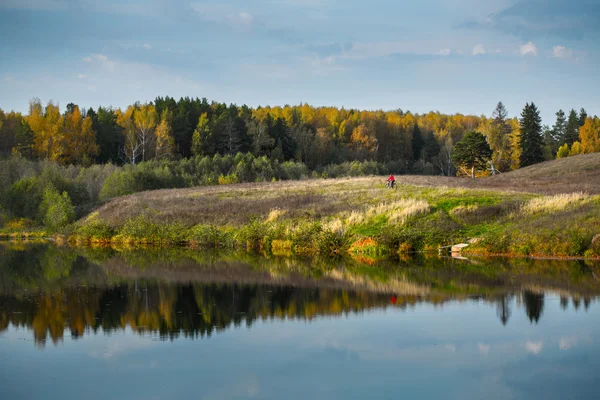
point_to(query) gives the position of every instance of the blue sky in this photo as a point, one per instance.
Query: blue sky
(447, 55)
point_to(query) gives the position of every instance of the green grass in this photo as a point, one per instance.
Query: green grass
(328, 216)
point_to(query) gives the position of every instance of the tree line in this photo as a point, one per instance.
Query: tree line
(316, 136)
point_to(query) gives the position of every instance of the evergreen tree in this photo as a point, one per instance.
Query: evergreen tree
(499, 138)
(472, 152)
(550, 144)
(572, 128)
(582, 116)
(418, 143)
(432, 147)
(531, 141)
(559, 128)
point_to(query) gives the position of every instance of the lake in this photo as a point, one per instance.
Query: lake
(161, 324)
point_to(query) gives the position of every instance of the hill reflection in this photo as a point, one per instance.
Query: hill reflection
(54, 291)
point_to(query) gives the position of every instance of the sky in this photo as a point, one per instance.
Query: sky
(453, 56)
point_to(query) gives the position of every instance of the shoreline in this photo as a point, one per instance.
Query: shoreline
(383, 254)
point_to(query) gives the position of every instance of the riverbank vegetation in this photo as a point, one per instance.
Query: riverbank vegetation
(351, 215)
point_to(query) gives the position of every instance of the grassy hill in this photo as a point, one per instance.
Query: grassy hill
(539, 210)
(566, 175)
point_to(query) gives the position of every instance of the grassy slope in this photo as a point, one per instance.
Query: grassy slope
(504, 214)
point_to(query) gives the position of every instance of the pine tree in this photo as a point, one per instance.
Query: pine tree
(418, 143)
(582, 116)
(472, 152)
(560, 127)
(531, 140)
(499, 138)
(572, 128)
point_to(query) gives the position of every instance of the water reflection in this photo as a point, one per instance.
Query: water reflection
(55, 291)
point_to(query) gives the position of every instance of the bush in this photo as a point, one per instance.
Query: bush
(96, 229)
(144, 230)
(228, 179)
(119, 183)
(57, 209)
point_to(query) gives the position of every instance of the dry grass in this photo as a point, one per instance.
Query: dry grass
(275, 214)
(566, 175)
(557, 202)
(397, 211)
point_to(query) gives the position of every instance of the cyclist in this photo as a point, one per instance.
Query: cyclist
(391, 181)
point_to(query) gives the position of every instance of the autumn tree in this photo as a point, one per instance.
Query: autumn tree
(46, 126)
(131, 150)
(78, 138)
(563, 151)
(363, 142)
(531, 140)
(165, 142)
(202, 139)
(145, 119)
(473, 153)
(589, 136)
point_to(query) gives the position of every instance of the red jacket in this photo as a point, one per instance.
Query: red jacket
(391, 178)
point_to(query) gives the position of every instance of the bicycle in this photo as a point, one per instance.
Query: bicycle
(391, 185)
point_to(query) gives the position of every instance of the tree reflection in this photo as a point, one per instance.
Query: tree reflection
(534, 305)
(503, 308)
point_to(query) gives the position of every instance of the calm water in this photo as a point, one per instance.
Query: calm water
(184, 324)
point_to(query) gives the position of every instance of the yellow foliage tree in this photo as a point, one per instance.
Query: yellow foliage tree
(165, 142)
(78, 139)
(589, 136)
(46, 126)
(363, 141)
(145, 119)
(132, 148)
(575, 149)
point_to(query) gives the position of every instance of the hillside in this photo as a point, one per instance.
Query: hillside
(566, 175)
(498, 215)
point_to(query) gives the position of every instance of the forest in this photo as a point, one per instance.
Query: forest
(58, 164)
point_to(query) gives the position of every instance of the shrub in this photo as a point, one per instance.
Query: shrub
(144, 230)
(119, 183)
(210, 236)
(57, 209)
(228, 179)
(96, 229)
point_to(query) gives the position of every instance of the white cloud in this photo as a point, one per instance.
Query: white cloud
(484, 348)
(478, 49)
(147, 46)
(245, 18)
(81, 76)
(444, 52)
(534, 347)
(528, 48)
(561, 52)
(102, 60)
